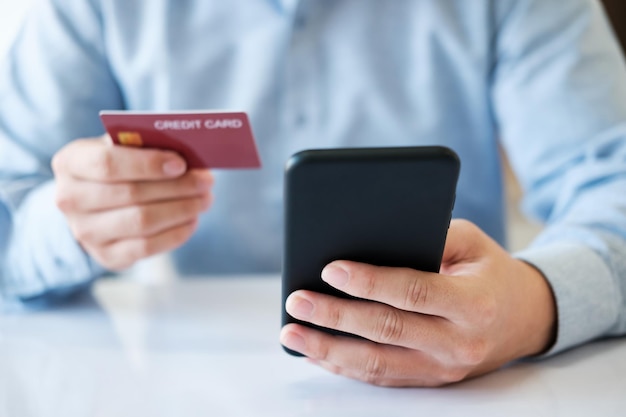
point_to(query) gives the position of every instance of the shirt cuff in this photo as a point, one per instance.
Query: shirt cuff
(585, 292)
(43, 259)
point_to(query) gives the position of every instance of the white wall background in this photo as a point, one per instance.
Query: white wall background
(11, 15)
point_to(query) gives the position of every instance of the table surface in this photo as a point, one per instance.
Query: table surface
(209, 347)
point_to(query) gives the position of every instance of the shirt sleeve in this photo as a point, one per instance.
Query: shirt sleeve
(52, 85)
(559, 98)
(43, 262)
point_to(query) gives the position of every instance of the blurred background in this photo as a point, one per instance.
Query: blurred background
(521, 230)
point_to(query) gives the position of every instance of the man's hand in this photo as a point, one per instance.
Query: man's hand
(483, 310)
(125, 204)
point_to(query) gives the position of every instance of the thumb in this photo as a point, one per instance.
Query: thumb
(465, 242)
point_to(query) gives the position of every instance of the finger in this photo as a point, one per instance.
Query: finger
(368, 361)
(416, 381)
(403, 288)
(377, 322)
(78, 196)
(137, 221)
(95, 160)
(123, 254)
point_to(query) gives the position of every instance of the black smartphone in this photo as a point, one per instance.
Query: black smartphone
(381, 206)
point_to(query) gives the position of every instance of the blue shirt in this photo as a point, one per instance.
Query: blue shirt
(541, 79)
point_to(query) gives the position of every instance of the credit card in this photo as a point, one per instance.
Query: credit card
(206, 139)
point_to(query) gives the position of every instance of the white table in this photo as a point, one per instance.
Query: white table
(209, 347)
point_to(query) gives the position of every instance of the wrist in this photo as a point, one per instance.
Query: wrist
(542, 312)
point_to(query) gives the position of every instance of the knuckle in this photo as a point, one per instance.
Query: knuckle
(103, 165)
(389, 328)
(335, 318)
(139, 219)
(127, 193)
(485, 311)
(321, 351)
(369, 282)
(417, 294)
(471, 353)
(375, 369)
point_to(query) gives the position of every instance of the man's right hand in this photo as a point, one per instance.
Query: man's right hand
(124, 204)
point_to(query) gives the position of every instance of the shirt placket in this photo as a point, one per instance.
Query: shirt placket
(302, 93)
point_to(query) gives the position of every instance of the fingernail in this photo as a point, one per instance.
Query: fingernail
(174, 167)
(299, 307)
(293, 341)
(335, 276)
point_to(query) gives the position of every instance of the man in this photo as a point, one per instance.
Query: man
(543, 79)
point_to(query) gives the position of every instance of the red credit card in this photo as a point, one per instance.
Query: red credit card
(206, 139)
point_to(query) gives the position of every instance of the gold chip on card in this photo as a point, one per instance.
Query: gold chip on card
(129, 139)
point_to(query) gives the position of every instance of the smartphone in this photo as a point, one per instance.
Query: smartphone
(381, 206)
